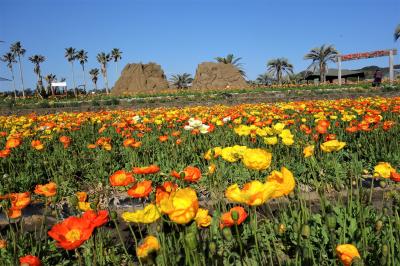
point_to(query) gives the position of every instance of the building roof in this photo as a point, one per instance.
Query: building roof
(333, 73)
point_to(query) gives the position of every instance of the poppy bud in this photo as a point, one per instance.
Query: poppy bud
(227, 233)
(182, 175)
(212, 247)
(235, 216)
(5, 176)
(113, 215)
(385, 250)
(382, 184)
(331, 221)
(93, 206)
(305, 231)
(159, 228)
(378, 225)
(191, 241)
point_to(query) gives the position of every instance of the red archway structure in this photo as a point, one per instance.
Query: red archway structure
(390, 52)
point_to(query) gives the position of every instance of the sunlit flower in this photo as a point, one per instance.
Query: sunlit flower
(202, 218)
(383, 170)
(149, 245)
(37, 145)
(227, 220)
(308, 151)
(181, 206)
(121, 178)
(13, 143)
(47, 190)
(271, 140)
(253, 193)
(140, 189)
(66, 141)
(347, 253)
(30, 260)
(283, 182)
(257, 159)
(149, 214)
(152, 169)
(332, 145)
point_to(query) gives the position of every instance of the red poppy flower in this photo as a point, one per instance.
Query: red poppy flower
(72, 232)
(29, 260)
(227, 220)
(97, 218)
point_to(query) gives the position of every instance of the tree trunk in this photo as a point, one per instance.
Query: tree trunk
(73, 77)
(84, 76)
(106, 81)
(15, 89)
(321, 73)
(22, 78)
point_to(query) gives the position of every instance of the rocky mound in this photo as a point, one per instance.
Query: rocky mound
(140, 78)
(210, 75)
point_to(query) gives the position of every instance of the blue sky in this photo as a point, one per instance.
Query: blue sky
(180, 34)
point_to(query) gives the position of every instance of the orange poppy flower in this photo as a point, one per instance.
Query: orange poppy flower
(13, 143)
(330, 137)
(191, 174)
(47, 190)
(72, 232)
(321, 129)
(20, 200)
(37, 145)
(129, 142)
(5, 153)
(165, 190)
(82, 196)
(91, 146)
(178, 141)
(352, 129)
(14, 214)
(227, 220)
(29, 260)
(98, 218)
(141, 189)
(176, 133)
(66, 141)
(163, 138)
(152, 169)
(388, 125)
(121, 178)
(136, 144)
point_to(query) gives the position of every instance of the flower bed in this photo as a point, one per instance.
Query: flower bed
(205, 183)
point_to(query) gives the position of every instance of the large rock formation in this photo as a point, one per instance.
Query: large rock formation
(210, 75)
(140, 78)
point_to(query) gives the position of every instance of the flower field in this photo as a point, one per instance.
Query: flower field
(222, 185)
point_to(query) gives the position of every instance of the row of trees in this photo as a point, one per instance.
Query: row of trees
(72, 55)
(277, 69)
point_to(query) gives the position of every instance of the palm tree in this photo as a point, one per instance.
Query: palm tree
(16, 49)
(230, 59)
(278, 67)
(264, 79)
(103, 59)
(49, 79)
(116, 56)
(181, 81)
(320, 57)
(94, 73)
(37, 60)
(9, 58)
(70, 54)
(82, 57)
(397, 33)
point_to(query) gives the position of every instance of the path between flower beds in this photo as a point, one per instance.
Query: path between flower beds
(33, 214)
(209, 100)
